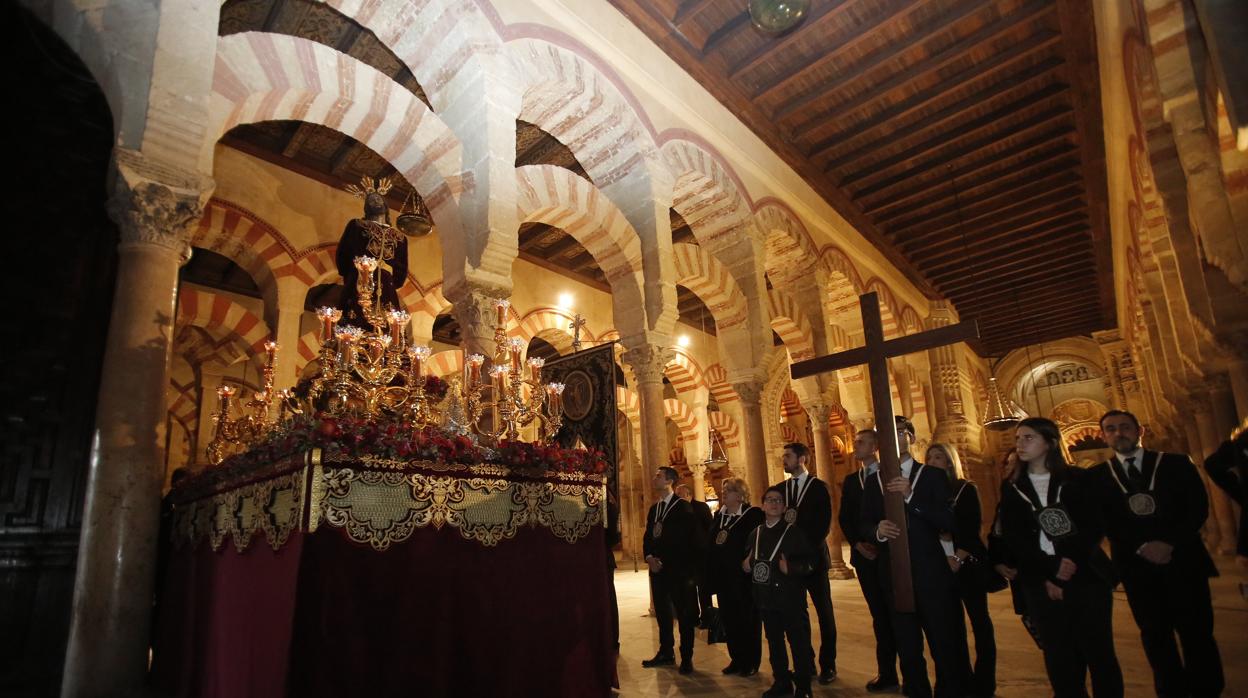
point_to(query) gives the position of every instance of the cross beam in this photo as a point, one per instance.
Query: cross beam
(875, 354)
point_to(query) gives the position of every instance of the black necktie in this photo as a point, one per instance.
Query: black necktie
(793, 492)
(1136, 475)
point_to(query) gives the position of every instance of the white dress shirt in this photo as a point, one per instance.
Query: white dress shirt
(1040, 481)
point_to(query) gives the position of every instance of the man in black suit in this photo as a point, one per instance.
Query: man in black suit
(862, 556)
(926, 493)
(1154, 505)
(808, 505)
(702, 514)
(671, 546)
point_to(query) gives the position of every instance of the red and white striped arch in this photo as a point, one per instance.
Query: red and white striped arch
(313, 266)
(791, 324)
(684, 373)
(706, 194)
(569, 98)
(627, 402)
(262, 77)
(790, 406)
(726, 427)
(684, 418)
(557, 197)
(889, 311)
(790, 250)
(222, 317)
(788, 434)
(711, 281)
(446, 364)
(243, 238)
(308, 349)
(838, 338)
(551, 324)
(717, 381)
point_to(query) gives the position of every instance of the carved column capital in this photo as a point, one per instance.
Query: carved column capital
(154, 204)
(697, 469)
(472, 304)
(648, 362)
(819, 414)
(750, 392)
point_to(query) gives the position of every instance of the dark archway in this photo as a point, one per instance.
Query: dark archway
(60, 262)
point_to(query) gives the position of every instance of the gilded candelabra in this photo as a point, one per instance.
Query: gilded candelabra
(515, 402)
(234, 433)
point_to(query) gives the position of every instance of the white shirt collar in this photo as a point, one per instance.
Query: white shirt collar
(668, 499)
(1137, 454)
(872, 467)
(771, 524)
(801, 479)
(906, 464)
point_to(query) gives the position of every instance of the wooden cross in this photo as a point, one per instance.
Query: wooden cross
(875, 354)
(577, 323)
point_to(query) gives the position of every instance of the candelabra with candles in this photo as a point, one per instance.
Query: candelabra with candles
(514, 401)
(234, 433)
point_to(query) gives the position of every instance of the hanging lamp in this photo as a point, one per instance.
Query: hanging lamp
(1002, 414)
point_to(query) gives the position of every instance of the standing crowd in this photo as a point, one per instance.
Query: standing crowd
(1044, 545)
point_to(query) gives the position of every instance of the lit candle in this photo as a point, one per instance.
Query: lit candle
(516, 345)
(535, 368)
(328, 317)
(419, 355)
(365, 264)
(501, 305)
(398, 321)
(499, 373)
(474, 368)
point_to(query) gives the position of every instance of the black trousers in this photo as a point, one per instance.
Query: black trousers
(936, 616)
(675, 596)
(982, 680)
(820, 590)
(741, 620)
(704, 594)
(1166, 602)
(881, 622)
(789, 619)
(1078, 637)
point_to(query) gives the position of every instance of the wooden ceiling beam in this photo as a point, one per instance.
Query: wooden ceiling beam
(688, 10)
(1008, 343)
(561, 247)
(1021, 204)
(770, 47)
(716, 40)
(1026, 218)
(1002, 305)
(1030, 12)
(1054, 116)
(966, 129)
(1069, 212)
(977, 198)
(913, 104)
(1076, 218)
(951, 273)
(953, 114)
(1014, 284)
(1056, 316)
(996, 161)
(971, 181)
(895, 11)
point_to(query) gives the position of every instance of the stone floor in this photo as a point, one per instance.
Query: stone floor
(1020, 669)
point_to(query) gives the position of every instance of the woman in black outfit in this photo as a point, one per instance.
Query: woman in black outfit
(1052, 527)
(727, 548)
(968, 558)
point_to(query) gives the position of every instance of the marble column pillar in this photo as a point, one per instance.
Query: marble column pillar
(826, 471)
(289, 320)
(1219, 503)
(473, 306)
(699, 481)
(209, 381)
(753, 440)
(1238, 374)
(647, 362)
(112, 601)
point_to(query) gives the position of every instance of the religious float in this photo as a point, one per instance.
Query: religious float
(381, 532)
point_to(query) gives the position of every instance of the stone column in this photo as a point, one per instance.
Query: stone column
(1219, 503)
(1238, 374)
(473, 306)
(209, 381)
(647, 362)
(753, 441)
(699, 481)
(108, 637)
(289, 320)
(826, 471)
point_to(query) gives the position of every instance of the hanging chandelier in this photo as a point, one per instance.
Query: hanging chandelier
(1002, 414)
(778, 16)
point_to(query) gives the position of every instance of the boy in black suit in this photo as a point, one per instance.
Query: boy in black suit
(1154, 505)
(672, 546)
(808, 505)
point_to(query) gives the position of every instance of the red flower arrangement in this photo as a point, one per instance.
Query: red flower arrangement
(435, 388)
(388, 438)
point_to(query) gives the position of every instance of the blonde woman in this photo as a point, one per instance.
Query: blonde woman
(968, 558)
(731, 526)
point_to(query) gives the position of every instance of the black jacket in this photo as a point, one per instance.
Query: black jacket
(783, 589)
(927, 515)
(968, 517)
(1021, 531)
(680, 546)
(849, 513)
(723, 561)
(1181, 509)
(814, 517)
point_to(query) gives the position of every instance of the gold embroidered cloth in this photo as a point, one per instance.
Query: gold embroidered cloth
(381, 502)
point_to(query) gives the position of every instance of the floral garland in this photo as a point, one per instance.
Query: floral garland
(355, 437)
